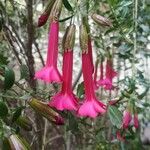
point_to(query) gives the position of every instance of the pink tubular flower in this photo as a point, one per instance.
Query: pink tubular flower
(66, 100)
(91, 106)
(127, 117)
(50, 72)
(136, 121)
(110, 74)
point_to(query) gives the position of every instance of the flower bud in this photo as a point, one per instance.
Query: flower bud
(69, 38)
(56, 10)
(24, 123)
(101, 20)
(15, 142)
(83, 39)
(44, 16)
(44, 110)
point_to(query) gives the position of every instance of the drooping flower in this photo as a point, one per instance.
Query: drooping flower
(44, 110)
(91, 107)
(130, 116)
(65, 99)
(110, 74)
(127, 117)
(50, 72)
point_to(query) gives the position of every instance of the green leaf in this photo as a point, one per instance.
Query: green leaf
(24, 72)
(3, 60)
(80, 89)
(67, 5)
(65, 19)
(73, 124)
(9, 78)
(17, 113)
(115, 116)
(3, 109)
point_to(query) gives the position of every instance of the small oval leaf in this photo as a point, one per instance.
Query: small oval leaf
(67, 5)
(65, 19)
(3, 109)
(115, 116)
(9, 78)
(24, 72)
(17, 113)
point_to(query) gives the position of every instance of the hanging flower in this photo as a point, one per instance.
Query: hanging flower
(130, 116)
(110, 74)
(50, 72)
(127, 117)
(65, 99)
(91, 107)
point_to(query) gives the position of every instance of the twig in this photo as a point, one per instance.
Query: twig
(38, 50)
(44, 135)
(11, 45)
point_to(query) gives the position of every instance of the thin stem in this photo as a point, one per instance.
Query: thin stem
(135, 16)
(44, 135)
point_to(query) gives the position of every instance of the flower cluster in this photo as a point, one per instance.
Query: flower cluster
(65, 99)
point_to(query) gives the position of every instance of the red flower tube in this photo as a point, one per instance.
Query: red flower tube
(50, 72)
(65, 99)
(91, 107)
(110, 74)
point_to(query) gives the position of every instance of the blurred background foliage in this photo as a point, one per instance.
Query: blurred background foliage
(23, 49)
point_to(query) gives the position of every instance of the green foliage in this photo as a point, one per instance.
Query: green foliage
(9, 78)
(115, 116)
(24, 72)
(67, 5)
(3, 109)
